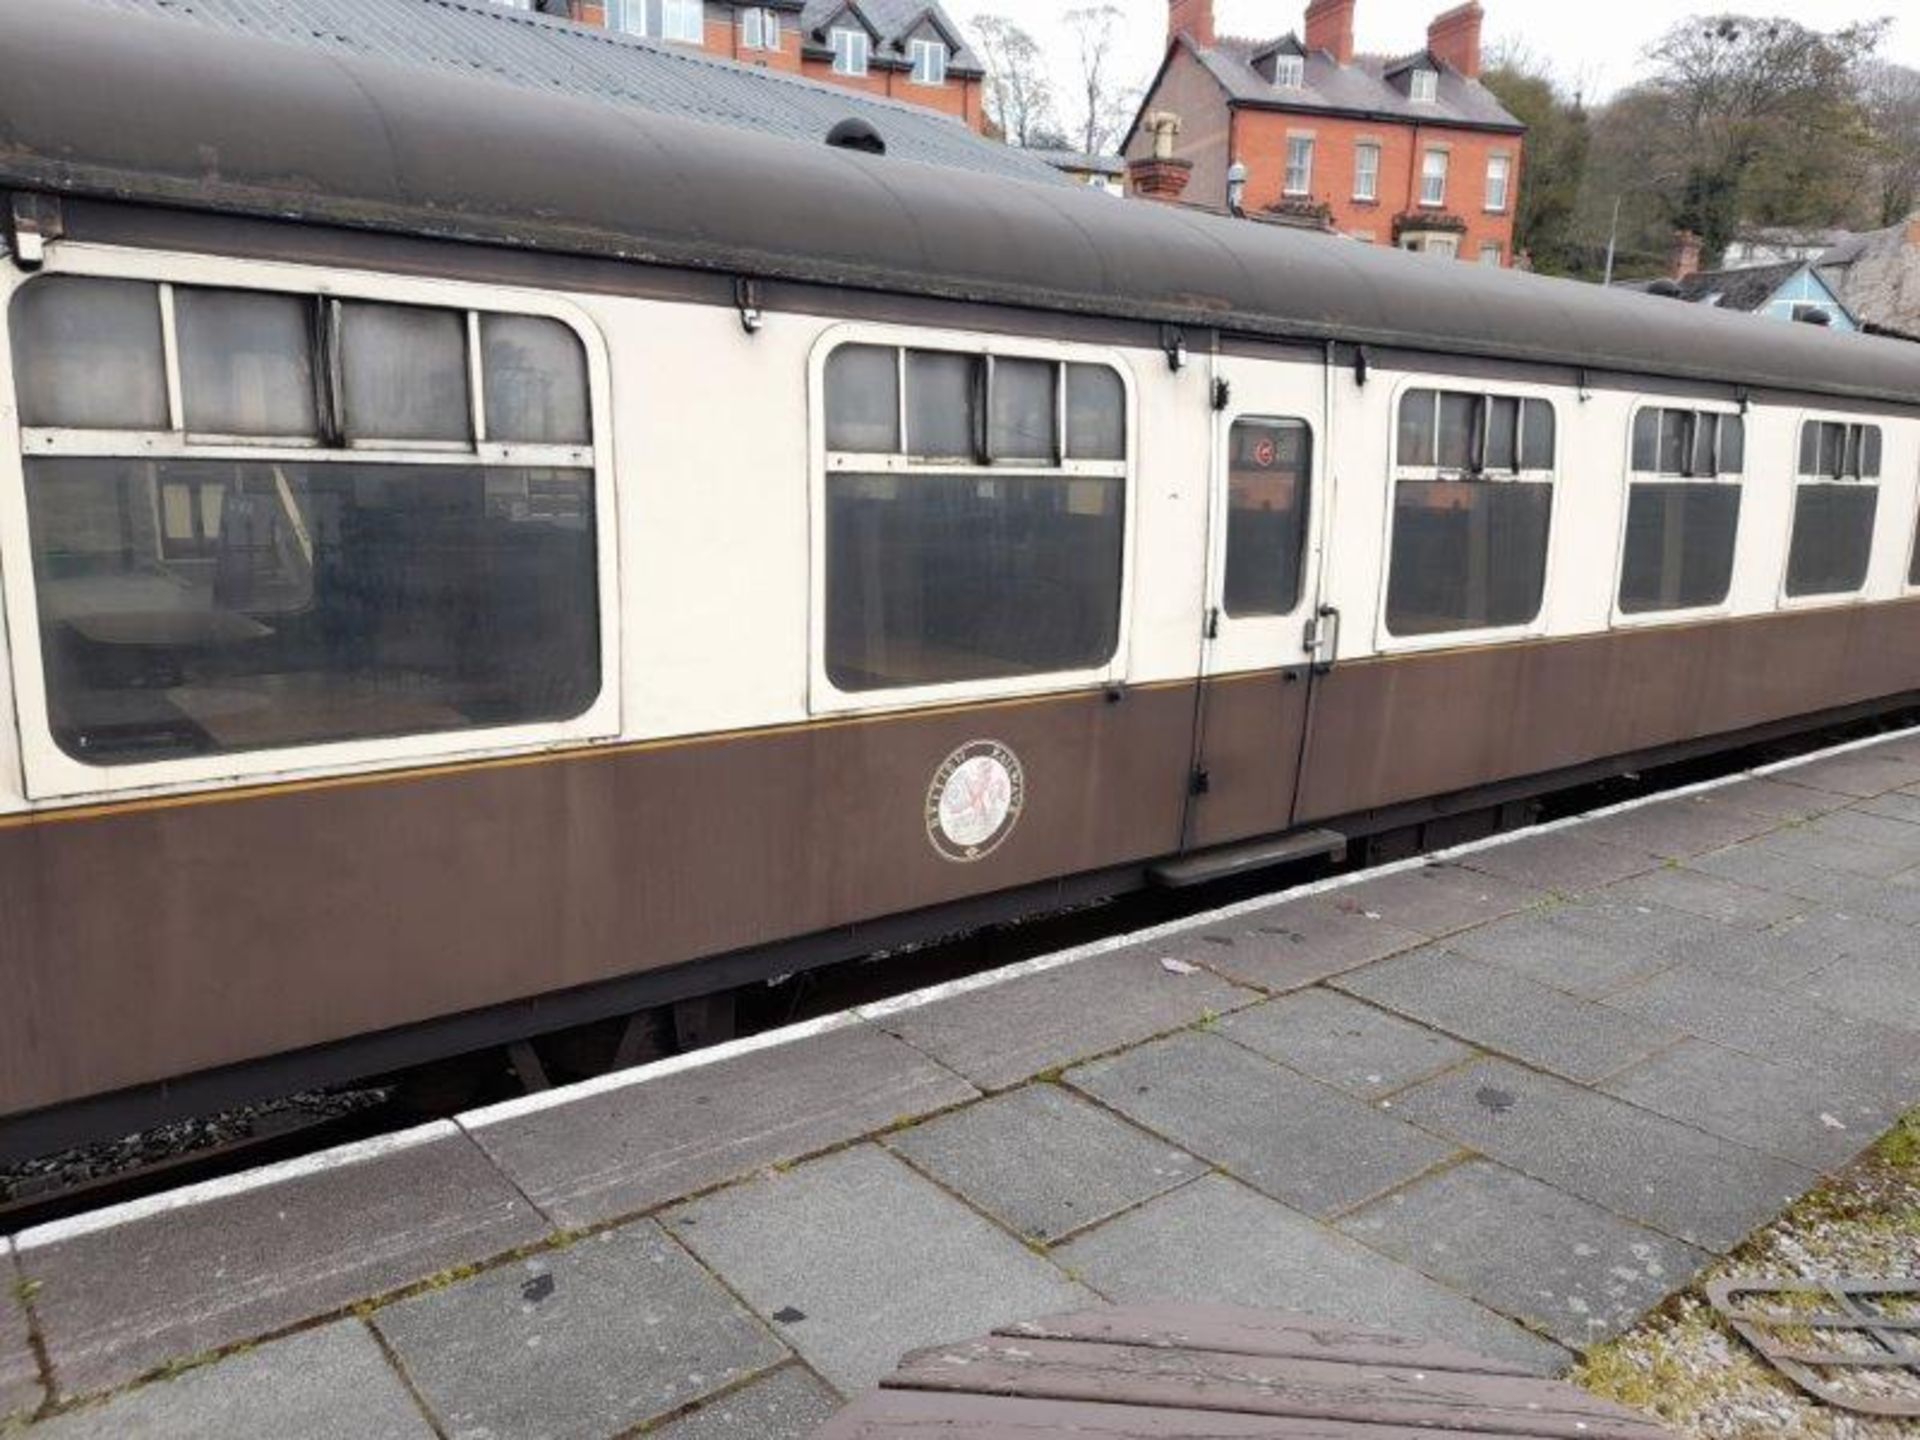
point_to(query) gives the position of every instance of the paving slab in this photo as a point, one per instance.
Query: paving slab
(1861, 774)
(1566, 862)
(1043, 1161)
(1774, 1108)
(1897, 898)
(1724, 901)
(1789, 952)
(20, 1391)
(1882, 987)
(1896, 836)
(786, 1405)
(1584, 949)
(1858, 1055)
(289, 1244)
(1497, 1009)
(1898, 805)
(326, 1384)
(587, 1341)
(1438, 899)
(1306, 1145)
(1693, 1186)
(1756, 865)
(1570, 1268)
(636, 1147)
(1008, 1033)
(1341, 1041)
(1300, 943)
(1217, 1242)
(1851, 932)
(1677, 828)
(857, 1260)
(1778, 798)
(1804, 845)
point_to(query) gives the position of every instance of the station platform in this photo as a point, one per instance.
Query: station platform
(1509, 1098)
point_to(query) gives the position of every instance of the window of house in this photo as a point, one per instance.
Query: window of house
(683, 20)
(1492, 254)
(1269, 476)
(850, 51)
(1499, 181)
(629, 17)
(1289, 71)
(1366, 172)
(318, 529)
(929, 62)
(981, 536)
(1300, 165)
(1683, 509)
(1433, 178)
(1424, 86)
(1836, 502)
(760, 29)
(1473, 504)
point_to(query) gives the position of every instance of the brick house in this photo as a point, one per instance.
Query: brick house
(906, 50)
(1409, 150)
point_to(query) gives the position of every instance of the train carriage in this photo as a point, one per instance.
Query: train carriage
(475, 562)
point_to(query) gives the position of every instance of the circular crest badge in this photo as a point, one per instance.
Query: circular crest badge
(975, 801)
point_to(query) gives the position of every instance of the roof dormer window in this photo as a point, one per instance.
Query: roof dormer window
(929, 62)
(1289, 71)
(850, 51)
(1424, 86)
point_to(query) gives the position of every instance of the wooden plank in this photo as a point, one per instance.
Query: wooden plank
(918, 1415)
(1234, 1330)
(1264, 1385)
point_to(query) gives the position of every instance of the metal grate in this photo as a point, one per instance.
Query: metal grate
(1854, 1344)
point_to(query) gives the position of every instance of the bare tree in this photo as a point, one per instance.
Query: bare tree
(1103, 102)
(1893, 109)
(1019, 90)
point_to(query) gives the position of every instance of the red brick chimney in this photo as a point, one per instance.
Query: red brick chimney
(1330, 28)
(1686, 256)
(1195, 17)
(1160, 174)
(1455, 38)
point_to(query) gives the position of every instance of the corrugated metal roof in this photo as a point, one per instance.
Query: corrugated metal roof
(1361, 88)
(561, 58)
(156, 112)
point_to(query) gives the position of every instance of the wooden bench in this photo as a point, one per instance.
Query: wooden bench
(1159, 1372)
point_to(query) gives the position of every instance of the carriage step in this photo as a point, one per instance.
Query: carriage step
(1230, 860)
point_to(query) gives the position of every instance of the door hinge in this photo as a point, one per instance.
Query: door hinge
(1200, 782)
(1222, 393)
(1211, 630)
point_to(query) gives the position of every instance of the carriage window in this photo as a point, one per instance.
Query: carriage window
(536, 381)
(1473, 501)
(943, 566)
(404, 373)
(1681, 531)
(1835, 506)
(87, 354)
(1269, 474)
(863, 400)
(198, 604)
(1096, 413)
(246, 363)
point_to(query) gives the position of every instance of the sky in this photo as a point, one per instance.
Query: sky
(1595, 45)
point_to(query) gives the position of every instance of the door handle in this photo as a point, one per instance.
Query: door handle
(1324, 638)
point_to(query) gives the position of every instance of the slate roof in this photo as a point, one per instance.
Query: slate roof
(477, 37)
(1746, 289)
(1362, 88)
(895, 21)
(1877, 276)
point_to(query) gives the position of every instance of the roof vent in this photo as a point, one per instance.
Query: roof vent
(856, 134)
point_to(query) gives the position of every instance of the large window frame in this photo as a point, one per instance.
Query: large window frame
(929, 60)
(50, 773)
(1687, 475)
(1386, 640)
(824, 696)
(852, 51)
(1852, 477)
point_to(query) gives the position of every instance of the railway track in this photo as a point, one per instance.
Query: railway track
(98, 1176)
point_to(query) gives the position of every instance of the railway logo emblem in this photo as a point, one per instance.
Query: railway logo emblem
(975, 801)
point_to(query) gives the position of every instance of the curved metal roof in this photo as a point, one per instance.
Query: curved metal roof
(93, 102)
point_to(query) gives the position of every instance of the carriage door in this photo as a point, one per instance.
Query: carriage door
(1269, 496)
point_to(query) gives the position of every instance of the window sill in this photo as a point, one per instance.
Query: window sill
(1366, 202)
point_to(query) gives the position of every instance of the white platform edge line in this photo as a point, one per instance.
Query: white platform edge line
(228, 1186)
(475, 1121)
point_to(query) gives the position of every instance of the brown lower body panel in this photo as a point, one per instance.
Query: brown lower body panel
(150, 941)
